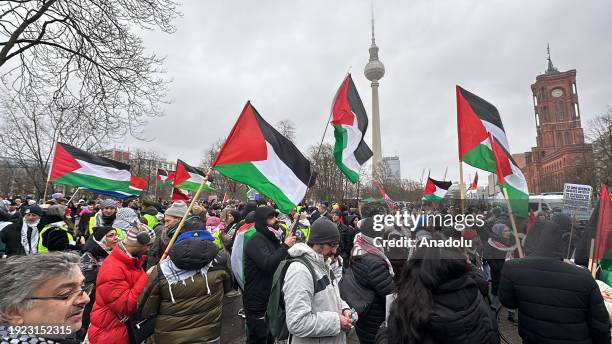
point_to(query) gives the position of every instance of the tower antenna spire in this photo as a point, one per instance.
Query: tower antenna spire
(373, 38)
(551, 68)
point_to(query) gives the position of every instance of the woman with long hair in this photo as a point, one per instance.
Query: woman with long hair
(439, 301)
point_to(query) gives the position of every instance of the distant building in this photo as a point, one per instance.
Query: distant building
(561, 155)
(392, 165)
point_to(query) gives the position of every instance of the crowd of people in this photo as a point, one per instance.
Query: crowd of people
(112, 271)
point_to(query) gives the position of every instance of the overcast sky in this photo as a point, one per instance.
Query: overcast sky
(289, 57)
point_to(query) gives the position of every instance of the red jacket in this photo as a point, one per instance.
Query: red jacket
(120, 281)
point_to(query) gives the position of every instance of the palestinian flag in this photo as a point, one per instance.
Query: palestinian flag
(474, 184)
(243, 236)
(476, 118)
(164, 178)
(350, 123)
(257, 155)
(179, 195)
(137, 185)
(435, 190)
(190, 178)
(75, 167)
(386, 197)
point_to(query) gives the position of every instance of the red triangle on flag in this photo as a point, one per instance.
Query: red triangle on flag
(178, 195)
(502, 162)
(245, 142)
(341, 110)
(138, 183)
(63, 163)
(603, 238)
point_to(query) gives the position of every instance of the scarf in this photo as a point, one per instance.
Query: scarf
(32, 247)
(175, 274)
(365, 244)
(501, 247)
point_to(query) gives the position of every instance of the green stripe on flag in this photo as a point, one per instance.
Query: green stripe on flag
(481, 157)
(341, 135)
(433, 198)
(247, 173)
(91, 182)
(519, 201)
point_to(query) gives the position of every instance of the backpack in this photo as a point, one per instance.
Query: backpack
(276, 312)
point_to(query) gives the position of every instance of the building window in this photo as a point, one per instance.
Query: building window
(559, 140)
(544, 114)
(576, 110)
(559, 111)
(568, 138)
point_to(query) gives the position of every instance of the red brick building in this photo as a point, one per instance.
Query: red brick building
(561, 155)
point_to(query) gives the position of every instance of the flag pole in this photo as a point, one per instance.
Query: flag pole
(422, 174)
(445, 172)
(461, 186)
(592, 262)
(74, 194)
(156, 184)
(518, 242)
(180, 226)
(569, 245)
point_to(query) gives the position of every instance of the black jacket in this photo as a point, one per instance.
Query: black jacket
(372, 272)
(11, 236)
(557, 302)
(459, 315)
(263, 254)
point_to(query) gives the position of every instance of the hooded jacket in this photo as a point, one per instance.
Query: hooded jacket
(263, 254)
(313, 313)
(557, 302)
(91, 260)
(120, 281)
(189, 310)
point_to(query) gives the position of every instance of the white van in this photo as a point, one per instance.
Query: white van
(546, 201)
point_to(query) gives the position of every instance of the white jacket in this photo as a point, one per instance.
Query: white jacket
(312, 318)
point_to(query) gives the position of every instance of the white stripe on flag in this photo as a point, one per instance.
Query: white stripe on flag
(103, 171)
(281, 175)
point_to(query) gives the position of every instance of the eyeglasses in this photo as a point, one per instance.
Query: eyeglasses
(85, 289)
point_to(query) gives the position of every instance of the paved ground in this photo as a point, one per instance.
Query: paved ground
(233, 325)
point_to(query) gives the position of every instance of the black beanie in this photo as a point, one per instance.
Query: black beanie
(323, 231)
(57, 240)
(100, 232)
(366, 227)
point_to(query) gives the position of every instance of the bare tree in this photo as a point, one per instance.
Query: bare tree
(81, 54)
(599, 134)
(287, 129)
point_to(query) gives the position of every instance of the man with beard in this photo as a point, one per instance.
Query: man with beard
(172, 218)
(41, 298)
(121, 280)
(21, 237)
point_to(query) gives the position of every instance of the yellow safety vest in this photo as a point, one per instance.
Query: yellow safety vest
(92, 224)
(150, 219)
(42, 248)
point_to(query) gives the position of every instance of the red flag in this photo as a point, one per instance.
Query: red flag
(386, 197)
(603, 237)
(474, 185)
(138, 184)
(502, 163)
(179, 195)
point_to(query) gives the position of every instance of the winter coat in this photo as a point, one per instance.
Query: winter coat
(459, 315)
(91, 260)
(263, 254)
(155, 252)
(347, 236)
(189, 312)
(372, 272)
(557, 302)
(120, 281)
(313, 312)
(11, 237)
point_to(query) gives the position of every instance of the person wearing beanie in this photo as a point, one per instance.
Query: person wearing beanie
(21, 237)
(104, 217)
(263, 253)
(373, 271)
(165, 231)
(188, 288)
(97, 248)
(315, 313)
(121, 280)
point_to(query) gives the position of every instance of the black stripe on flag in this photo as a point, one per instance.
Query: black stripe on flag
(363, 153)
(483, 109)
(191, 169)
(82, 155)
(440, 184)
(286, 151)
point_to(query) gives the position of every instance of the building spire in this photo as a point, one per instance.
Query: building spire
(373, 39)
(551, 68)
